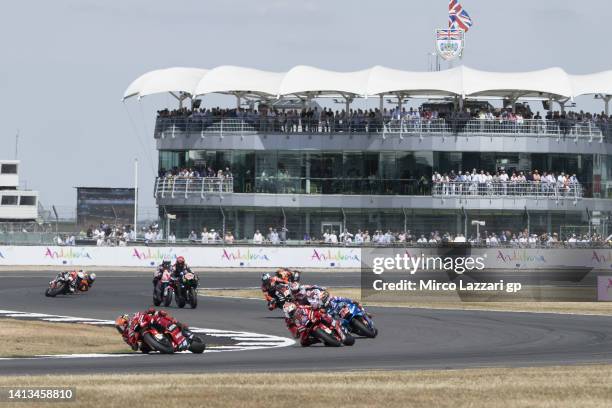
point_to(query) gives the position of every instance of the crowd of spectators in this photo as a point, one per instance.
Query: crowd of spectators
(105, 234)
(425, 118)
(436, 238)
(506, 183)
(195, 171)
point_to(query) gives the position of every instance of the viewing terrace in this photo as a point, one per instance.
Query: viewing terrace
(589, 130)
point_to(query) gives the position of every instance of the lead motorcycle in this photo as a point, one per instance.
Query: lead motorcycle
(319, 326)
(60, 285)
(164, 290)
(163, 335)
(353, 317)
(186, 292)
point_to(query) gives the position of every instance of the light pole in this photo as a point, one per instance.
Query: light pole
(136, 198)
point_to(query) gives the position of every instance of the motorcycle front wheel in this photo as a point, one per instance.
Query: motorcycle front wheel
(193, 298)
(168, 298)
(361, 328)
(164, 346)
(53, 292)
(197, 345)
(326, 338)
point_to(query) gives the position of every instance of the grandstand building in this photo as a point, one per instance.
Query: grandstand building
(311, 151)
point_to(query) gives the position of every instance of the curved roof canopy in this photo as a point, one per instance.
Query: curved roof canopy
(165, 80)
(231, 79)
(313, 82)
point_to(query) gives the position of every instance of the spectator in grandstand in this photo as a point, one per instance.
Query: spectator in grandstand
(257, 237)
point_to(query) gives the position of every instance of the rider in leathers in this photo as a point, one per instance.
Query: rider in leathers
(126, 326)
(297, 318)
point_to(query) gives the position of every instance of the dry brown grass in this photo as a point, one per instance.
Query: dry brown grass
(554, 387)
(28, 338)
(595, 308)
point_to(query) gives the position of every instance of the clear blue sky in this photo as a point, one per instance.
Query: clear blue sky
(66, 63)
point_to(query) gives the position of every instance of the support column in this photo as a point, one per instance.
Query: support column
(307, 222)
(307, 186)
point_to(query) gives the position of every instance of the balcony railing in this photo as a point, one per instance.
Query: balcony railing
(170, 127)
(178, 187)
(524, 189)
(192, 186)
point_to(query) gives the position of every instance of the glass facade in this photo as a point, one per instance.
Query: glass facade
(243, 222)
(392, 172)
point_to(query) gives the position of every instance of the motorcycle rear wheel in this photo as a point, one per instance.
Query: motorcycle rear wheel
(326, 338)
(163, 347)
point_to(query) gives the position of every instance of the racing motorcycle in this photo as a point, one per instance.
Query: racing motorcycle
(328, 330)
(164, 290)
(162, 335)
(60, 285)
(187, 290)
(280, 295)
(353, 318)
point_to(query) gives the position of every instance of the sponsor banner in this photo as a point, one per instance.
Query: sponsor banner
(205, 256)
(604, 288)
(297, 257)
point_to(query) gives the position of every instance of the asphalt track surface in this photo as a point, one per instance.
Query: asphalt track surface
(408, 339)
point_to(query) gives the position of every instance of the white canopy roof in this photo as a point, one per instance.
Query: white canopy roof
(598, 83)
(310, 81)
(165, 80)
(230, 79)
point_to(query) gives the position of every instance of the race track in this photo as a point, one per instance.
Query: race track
(409, 338)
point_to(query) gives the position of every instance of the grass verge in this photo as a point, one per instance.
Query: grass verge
(558, 387)
(594, 308)
(24, 338)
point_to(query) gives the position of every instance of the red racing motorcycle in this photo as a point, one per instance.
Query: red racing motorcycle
(163, 335)
(315, 325)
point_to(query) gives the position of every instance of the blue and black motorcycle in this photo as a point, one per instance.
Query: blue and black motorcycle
(353, 318)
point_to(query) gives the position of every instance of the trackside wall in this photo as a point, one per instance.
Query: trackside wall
(296, 257)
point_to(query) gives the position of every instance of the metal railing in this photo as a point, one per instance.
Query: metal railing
(170, 127)
(527, 189)
(176, 186)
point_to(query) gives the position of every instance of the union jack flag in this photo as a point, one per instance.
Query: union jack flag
(458, 18)
(448, 34)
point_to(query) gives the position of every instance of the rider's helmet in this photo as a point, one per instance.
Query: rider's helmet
(265, 278)
(283, 273)
(91, 277)
(294, 286)
(166, 264)
(289, 309)
(296, 276)
(180, 260)
(121, 323)
(81, 274)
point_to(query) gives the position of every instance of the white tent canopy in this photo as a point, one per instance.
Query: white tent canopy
(165, 80)
(231, 79)
(312, 82)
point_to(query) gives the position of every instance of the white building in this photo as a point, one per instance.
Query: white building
(15, 204)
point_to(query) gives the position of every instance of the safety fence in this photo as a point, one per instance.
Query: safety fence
(527, 189)
(186, 186)
(170, 127)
